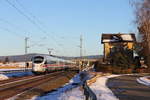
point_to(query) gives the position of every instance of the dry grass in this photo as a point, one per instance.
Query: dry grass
(97, 75)
(9, 67)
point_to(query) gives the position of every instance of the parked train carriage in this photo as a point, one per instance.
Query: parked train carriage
(42, 64)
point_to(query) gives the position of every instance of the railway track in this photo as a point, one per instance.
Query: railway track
(12, 88)
(11, 79)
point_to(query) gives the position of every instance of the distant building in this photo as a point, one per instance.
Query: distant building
(112, 40)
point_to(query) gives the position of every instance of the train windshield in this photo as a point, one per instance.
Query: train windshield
(38, 59)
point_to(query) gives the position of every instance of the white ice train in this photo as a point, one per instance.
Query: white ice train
(44, 64)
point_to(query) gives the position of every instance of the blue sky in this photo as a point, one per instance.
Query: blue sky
(59, 24)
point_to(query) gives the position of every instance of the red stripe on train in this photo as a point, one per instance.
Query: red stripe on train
(52, 65)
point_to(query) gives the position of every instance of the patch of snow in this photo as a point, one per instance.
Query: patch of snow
(109, 40)
(74, 94)
(11, 69)
(101, 90)
(18, 74)
(75, 79)
(33, 98)
(127, 37)
(144, 80)
(3, 77)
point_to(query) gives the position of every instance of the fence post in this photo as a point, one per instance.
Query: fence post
(89, 95)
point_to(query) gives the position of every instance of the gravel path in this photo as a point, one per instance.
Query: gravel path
(127, 88)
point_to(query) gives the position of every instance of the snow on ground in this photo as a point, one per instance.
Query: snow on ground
(14, 74)
(74, 94)
(3, 77)
(144, 80)
(13, 69)
(101, 90)
(62, 94)
(70, 91)
(8, 69)
(19, 74)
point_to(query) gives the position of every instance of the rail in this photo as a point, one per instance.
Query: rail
(89, 94)
(7, 89)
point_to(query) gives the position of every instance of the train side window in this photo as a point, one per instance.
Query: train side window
(52, 62)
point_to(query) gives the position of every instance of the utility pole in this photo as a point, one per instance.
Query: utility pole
(26, 51)
(26, 45)
(81, 40)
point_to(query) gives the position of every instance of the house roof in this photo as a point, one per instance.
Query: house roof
(120, 37)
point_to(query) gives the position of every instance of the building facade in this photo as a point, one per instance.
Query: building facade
(113, 40)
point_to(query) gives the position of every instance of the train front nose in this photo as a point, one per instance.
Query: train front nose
(38, 64)
(38, 68)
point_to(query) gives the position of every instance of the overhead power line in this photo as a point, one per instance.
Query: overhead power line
(27, 17)
(29, 13)
(16, 34)
(12, 32)
(35, 23)
(34, 43)
(23, 14)
(12, 25)
(39, 23)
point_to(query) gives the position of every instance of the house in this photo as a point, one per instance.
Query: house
(112, 40)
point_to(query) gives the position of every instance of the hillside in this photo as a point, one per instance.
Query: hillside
(28, 57)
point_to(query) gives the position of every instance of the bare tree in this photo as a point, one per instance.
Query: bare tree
(142, 15)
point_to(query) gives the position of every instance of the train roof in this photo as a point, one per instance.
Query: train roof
(54, 58)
